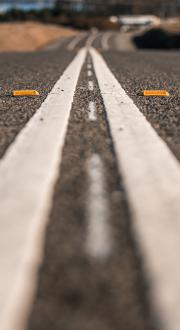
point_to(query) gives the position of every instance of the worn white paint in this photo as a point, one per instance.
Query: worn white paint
(92, 111)
(99, 240)
(89, 73)
(91, 85)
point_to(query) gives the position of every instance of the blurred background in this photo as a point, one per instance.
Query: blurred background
(153, 24)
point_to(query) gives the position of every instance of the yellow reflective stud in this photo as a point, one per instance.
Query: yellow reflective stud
(26, 92)
(155, 93)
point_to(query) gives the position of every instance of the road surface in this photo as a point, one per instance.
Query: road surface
(89, 188)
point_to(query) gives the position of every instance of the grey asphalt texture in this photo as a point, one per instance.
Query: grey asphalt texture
(74, 290)
(38, 71)
(137, 71)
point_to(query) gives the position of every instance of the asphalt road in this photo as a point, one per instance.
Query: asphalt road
(152, 70)
(87, 280)
(37, 71)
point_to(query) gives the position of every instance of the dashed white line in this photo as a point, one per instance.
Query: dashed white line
(28, 172)
(89, 66)
(91, 85)
(75, 41)
(99, 240)
(91, 39)
(92, 111)
(152, 179)
(89, 73)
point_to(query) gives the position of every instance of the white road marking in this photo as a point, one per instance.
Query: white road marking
(75, 41)
(99, 243)
(105, 40)
(152, 179)
(92, 111)
(90, 85)
(89, 66)
(91, 39)
(28, 172)
(89, 73)
(55, 45)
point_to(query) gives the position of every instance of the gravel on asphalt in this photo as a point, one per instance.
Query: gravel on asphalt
(137, 71)
(38, 71)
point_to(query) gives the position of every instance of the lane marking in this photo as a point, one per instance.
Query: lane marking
(91, 39)
(28, 173)
(89, 73)
(89, 66)
(55, 45)
(92, 111)
(91, 85)
(152, 179)
(75, 41)
(98, 243)
(105, 40)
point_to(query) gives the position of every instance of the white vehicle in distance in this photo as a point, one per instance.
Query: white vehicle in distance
(129, 22)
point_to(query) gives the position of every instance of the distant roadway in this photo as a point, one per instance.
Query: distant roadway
(90, 187)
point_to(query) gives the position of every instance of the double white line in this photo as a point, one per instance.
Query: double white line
(28, 173)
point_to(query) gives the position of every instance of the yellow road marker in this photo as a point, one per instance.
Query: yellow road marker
(155, 93)
(26, 92)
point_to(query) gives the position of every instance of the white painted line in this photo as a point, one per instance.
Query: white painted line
(89, 66)
(152, 179)
(91, 85)
(75, 41)
(28, 172)
(55, 45)
(99, 241)
(89, 73)
(105, 40)
(91, 39)
(92, 111)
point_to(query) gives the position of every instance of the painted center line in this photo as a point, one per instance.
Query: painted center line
(99, 242)
(28, 173)
(92, 111)
(91, 39)
(151, 175)
(91, 85)
(89, 66)
(75, 41)
(89, 73)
